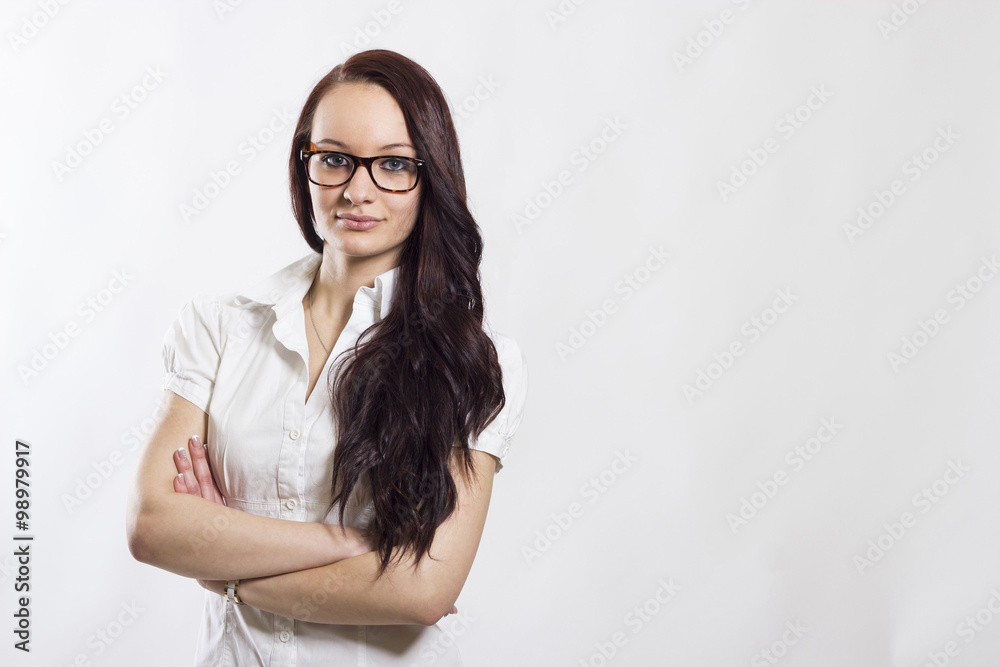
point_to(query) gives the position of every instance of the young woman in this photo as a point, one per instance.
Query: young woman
(335, 524)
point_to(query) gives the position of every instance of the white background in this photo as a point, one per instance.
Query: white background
(564, 561)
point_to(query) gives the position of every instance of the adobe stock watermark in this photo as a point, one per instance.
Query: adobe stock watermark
(778, 649)
(923, 500)
(88, 310)
(898, 17)
(703, 40)
(637, 618)
(452, 627)
(967, 629)
(248, 150)
(305, 608)
(558, 15)
(786, 126)
(121, 108)
(101, 639)
(591, 491)
(32, 24)
(208, 532)
(100, 471)
(752, 330)
(365, 34)
(627, 287)
(914, 167)
(581, 158)
(927, 329)
(796, 458)
(224, 8)
(251, 319)
(484, 90)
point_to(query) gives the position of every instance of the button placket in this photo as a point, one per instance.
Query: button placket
(294, 453)
(288, 458)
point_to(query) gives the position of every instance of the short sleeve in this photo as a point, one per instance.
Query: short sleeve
(496, 437)
(191, 351)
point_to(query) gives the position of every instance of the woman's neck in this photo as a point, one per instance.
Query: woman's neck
(341, 276)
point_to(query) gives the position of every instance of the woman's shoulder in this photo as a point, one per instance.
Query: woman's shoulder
(220, 310)
(507, 347)
(238, 314)
(512, 360)
(256, 298)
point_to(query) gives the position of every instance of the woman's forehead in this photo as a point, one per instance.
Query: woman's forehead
(353, 113)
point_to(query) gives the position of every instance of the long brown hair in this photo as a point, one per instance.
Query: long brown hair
(426, 377)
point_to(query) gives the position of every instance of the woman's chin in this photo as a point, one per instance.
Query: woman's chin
(349, 243)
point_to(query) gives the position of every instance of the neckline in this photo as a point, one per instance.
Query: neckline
(309, 353)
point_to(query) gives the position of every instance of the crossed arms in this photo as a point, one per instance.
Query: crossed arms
(304, 570)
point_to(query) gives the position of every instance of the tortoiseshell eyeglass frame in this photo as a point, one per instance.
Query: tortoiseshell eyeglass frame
(306, 154)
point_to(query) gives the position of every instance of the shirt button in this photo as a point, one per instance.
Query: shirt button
(290, 503)
(285, 635)
(294, 435)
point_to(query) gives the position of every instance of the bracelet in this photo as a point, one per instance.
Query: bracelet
(231, 591)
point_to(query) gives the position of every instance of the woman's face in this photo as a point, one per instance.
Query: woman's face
(363, 120)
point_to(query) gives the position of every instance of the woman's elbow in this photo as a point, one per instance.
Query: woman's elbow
(137, 548)
(137, 534)
(142, 521)
(435, 605)
(430, 614)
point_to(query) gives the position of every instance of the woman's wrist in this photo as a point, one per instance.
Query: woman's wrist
(249, 590)
(347, 542)
(232, 591)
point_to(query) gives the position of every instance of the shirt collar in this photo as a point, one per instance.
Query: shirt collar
(285, 289)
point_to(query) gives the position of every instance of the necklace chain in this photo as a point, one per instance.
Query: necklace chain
(309, 293)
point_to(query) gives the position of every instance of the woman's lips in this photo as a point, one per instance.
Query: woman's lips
(358, 222)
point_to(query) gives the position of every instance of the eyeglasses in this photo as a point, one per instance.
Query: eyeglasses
(391, 173)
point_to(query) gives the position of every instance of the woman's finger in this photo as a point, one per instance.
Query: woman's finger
(203, 472)
(217, 496)
(183, 465)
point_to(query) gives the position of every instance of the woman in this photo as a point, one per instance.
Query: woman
(341, 523)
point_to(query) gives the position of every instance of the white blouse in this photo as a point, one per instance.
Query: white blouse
(243, 359)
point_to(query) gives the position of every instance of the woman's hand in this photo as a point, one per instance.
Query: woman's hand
(195, 474)
(213, 586)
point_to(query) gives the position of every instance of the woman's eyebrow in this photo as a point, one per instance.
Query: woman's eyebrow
(382, 148)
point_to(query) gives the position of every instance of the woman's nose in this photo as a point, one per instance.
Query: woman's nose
(360, 188)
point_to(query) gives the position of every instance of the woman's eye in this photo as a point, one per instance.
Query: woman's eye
(335, 160)
(394, 164)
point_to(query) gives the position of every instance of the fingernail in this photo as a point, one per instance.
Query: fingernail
(183, 453)
(181, 477)
(196, 440)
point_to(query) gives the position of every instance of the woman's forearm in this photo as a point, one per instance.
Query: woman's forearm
(348, 593)
(196, 538)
